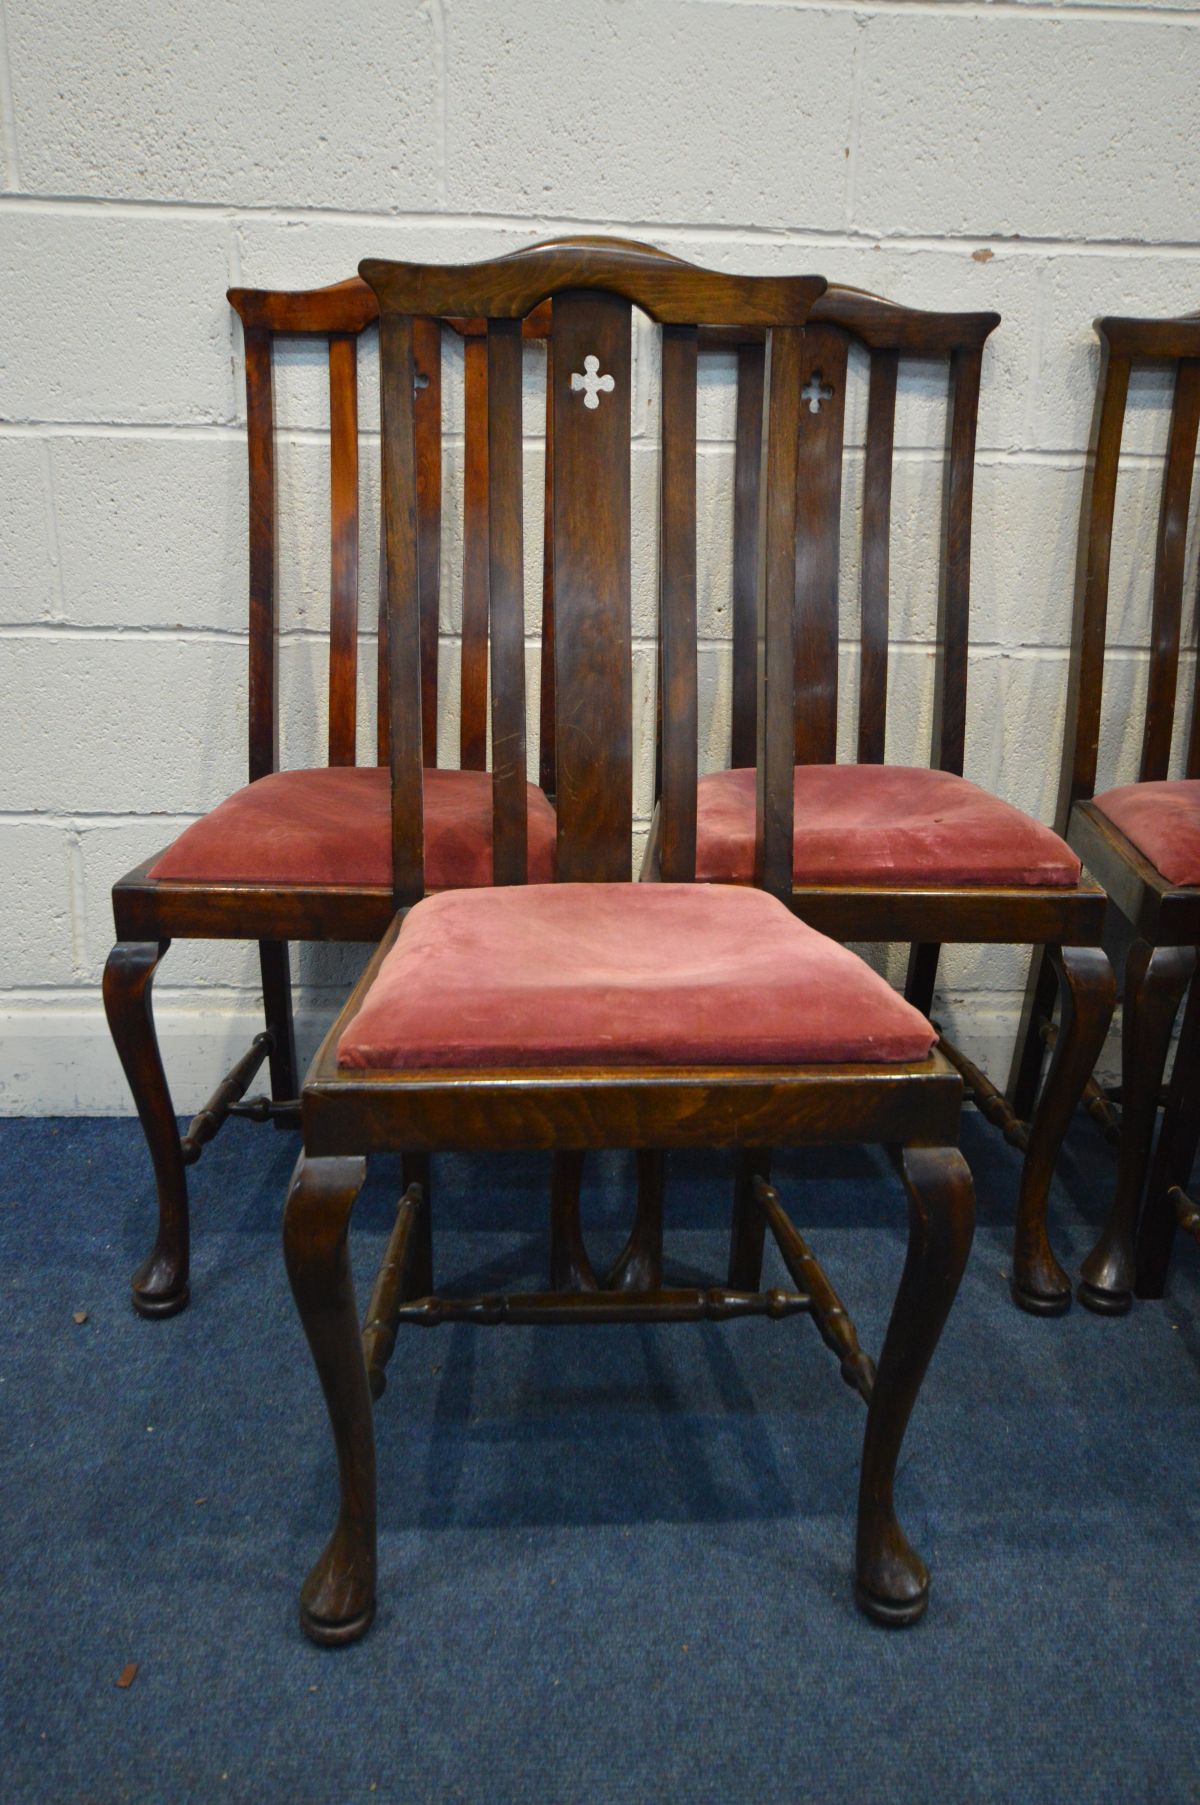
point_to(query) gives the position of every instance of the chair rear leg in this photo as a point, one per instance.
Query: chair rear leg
(1029, 1053)
(1087, 990)
(1174, 1157)
(160, 1284)
(748, 1231)
(337, 1600)
(277, 1008)
(921, 981)
(891, 1580)
(1155, 980)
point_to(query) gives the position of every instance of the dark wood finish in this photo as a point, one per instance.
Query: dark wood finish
(231, 1090)
(829, 1312)
(677, 603)
(348, 1114)
(337, 1601)
(148, 911)
(427, 455)
(1165, 918)
(799, 650)
(892, 1582)
(1174, 1157)
(391, 1290)
(506, 589)
(1155, 980)
(592, 630)
(782, 382)
(473, 686)
(160, 1284)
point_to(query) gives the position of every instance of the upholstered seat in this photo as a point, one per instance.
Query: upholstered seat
(1163, 821)
(627, 975)
(881, 824)
(333, 826)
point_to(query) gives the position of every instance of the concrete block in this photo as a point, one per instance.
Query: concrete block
(1031, 126)
(36, 898)
(603, 84)
(28, 583)
(1085, 286)
(115, 321)
(153, 532)
(282, 105)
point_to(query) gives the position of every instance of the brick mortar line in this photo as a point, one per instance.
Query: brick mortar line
(7, 109)
(1066, 457)
(815, 237)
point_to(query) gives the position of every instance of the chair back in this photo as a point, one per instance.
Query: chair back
(1173, 345)
(594, 285)
(341, 314)
(841, 318)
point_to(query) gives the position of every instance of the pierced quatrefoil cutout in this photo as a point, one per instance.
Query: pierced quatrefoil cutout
(815, 391)
(420, 380)
(591, 382)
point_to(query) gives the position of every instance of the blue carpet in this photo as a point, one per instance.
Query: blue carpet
(615, 1563)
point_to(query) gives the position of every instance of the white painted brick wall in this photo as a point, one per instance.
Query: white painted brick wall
(1034, 156)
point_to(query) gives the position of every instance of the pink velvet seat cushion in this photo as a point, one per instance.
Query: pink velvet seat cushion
(1163, 821)
(881, 824)
(624, 975)
(333, 826)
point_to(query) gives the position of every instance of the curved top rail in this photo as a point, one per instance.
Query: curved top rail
(669, 290)
(1126, 337)
(348, 306)
(881, 324)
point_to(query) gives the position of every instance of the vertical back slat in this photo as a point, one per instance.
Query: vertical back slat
(1086, 679)
(506, 591)
(343, 508)
(677, 603)
(383, 725)
(819, 527)
(546, 736)
(405, 675)
(473, 690)
(1168, 572)
(783, 380)
(427, 438)
(260, 440)
(875, 571)
(954, 597)
(592, 634)
(747, 463)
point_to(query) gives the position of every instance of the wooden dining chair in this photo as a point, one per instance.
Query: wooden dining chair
(886, 852)
(306, 854)
(595, 1011)
(1142, 839)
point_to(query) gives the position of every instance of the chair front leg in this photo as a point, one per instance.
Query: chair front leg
(749, 1226)
(891, 1579)
(1087, 994)
(337, 1600)
(160, 1284)
(1155, 980)
(276, 970)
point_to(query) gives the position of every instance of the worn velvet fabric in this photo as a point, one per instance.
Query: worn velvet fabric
(333, 826)
(627, 975)
(881, 824)
(1163, 821)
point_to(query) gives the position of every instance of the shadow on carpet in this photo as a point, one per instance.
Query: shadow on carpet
(614, 1563)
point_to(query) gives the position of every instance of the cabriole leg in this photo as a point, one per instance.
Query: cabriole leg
(891, 1580)
(337, 1600)
(276, 970)
(1087, 993)
(160, 1284)
(1155, 980)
